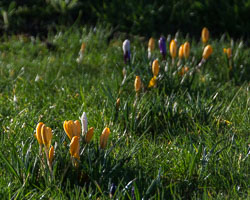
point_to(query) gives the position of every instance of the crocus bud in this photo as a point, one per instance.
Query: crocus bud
(183, 70)
(84, 122)
(186, 49)
(173, 48)
(207, 52)
(104, 138)
(155, 67)
(51, 154)
(152, 82)
(137, 83)
(38, 133)
(180, 53)
(205, 35)
(162, 46)
(75, 147)
(46, 133)
(151, 44)
(118, 103)
(89, 135)
(228, 52)
(82, 47)
(126, 50)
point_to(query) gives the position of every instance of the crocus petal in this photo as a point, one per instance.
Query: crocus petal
(77, 128)
(180, 53)
(38, 133)
(162, 46)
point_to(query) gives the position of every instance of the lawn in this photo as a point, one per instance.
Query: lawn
(186, 137)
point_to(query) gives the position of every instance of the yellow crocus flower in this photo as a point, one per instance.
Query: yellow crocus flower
(155, 67)
(181, 52)
(51, 155)
(89, 135)
(173, 48)
(207, 52)
(72, 128)
(75, 147)
(104, 138)
(46, 134)
(204, 35)
(137, 83)
(152, 82)
(186, 49)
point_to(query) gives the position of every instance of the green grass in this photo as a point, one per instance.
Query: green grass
(171, 142)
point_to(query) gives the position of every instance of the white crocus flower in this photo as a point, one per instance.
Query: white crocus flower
(126, 50)
(84, 122)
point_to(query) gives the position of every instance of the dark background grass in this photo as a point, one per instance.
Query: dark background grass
(141, 17)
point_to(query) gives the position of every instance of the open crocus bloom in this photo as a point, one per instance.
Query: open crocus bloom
(162, 46)
(152, 82)
(126, 50)
(72, 128)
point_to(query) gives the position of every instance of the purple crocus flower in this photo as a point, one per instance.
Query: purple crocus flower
(126, 51)
(162, 46)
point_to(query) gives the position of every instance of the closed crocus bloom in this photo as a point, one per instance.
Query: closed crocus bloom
(162, 46)
(51, 154)
(46, 133)
(205, 35)
(137, 83)
(186, 49)
(155, 67)
(173, 48)
(104, 138)
(152, 82)
(84, 122)
(151, 44)
(126, 50)
(75, 147)
(89, 135)
(118, 103)
(229, 53)
(184, 70)
(38, 133)
(82, 47)
(181, 52)
(207, 52)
